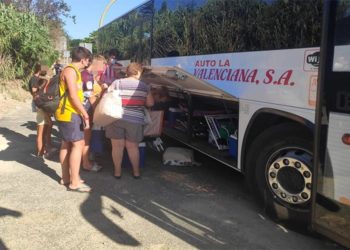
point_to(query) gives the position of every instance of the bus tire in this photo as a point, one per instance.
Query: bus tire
(279, 171)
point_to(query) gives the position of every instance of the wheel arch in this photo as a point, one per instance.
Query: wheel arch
(265, 118)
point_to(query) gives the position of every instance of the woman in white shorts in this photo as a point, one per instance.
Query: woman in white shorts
(44, 122)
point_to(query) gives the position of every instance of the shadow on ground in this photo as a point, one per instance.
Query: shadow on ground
(205, 206)
(185, 201)
(7, 212)
(55, 134)
(21, 149)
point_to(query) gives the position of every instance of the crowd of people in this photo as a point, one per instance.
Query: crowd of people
(81, 85)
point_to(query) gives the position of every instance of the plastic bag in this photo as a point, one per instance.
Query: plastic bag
(110, 107)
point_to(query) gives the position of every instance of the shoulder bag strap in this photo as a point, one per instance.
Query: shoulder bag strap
(65, 92)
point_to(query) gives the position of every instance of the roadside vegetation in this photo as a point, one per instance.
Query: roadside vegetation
(28, 32)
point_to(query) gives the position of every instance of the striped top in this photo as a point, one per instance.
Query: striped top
(133, 93)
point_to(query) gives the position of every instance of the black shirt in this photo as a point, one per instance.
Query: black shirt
(33, 83)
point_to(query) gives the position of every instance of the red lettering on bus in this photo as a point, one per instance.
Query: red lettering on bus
(284, 79)
(252, 75)
(269, 76)
(225, 63)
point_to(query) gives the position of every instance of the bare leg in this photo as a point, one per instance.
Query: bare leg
(134, 156)
(86, 162)
(74, 163)
(64, 160)
(47, 132)
(40, 140)
(117, 155)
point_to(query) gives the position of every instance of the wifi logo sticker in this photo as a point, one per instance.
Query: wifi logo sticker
(311, 60)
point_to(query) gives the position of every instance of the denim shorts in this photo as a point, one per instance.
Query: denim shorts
(72, 131)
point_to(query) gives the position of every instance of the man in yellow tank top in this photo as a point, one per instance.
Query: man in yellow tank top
(72, 119)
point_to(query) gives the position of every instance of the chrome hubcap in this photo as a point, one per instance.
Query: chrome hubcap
(289, 177)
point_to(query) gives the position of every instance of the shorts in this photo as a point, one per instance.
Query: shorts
(121, 129)
(41, 117)
(72, 131)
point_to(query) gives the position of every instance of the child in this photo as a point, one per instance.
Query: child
(91, 91)
(44, 122)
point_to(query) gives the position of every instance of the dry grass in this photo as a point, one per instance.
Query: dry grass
(12, 89)
(12, 95)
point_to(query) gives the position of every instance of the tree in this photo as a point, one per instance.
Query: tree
(45, 9)
(49, 12)
(24, 39)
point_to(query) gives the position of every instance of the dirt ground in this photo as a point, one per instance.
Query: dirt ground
(12, 95)
(8, 104)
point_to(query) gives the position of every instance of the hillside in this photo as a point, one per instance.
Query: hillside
(12, 95)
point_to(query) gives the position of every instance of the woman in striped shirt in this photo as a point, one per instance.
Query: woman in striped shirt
(128, 131)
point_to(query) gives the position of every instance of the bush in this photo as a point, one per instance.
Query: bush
(25, 39)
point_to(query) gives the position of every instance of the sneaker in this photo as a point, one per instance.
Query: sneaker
(95, 168)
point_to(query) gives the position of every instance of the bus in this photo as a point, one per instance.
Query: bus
(245, 78)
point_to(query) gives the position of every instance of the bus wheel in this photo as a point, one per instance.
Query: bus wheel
(279, 170)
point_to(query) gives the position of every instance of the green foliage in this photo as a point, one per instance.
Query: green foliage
(52, 10)
(25, 39)
(90, 39)
(129, 35)
(242, 25)
(190, 27)
(74, 43)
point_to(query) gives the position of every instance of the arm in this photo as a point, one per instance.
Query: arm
(70, 77)
(34, 90)
(149, 100)
(92, 99)
(33, 86)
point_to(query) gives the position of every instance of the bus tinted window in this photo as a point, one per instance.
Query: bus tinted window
(172, 28)
(239, 25)
(220, 26)
(342, 30)
(129, 34)
(341, 60)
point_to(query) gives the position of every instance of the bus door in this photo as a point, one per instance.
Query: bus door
(331, 183)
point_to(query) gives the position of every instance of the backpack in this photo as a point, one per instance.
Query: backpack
(48, 97)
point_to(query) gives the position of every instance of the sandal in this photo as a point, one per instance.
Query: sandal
(83, 188)
(61, 182)
(136, 177)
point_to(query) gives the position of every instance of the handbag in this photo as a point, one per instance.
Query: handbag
(147, 118)
(110, 107)
(155, 126)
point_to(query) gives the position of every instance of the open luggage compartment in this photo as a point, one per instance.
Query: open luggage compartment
(199, 115)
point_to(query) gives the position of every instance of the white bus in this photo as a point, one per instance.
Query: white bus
(245, 69)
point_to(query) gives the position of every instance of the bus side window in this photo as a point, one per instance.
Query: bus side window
(341, 60)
